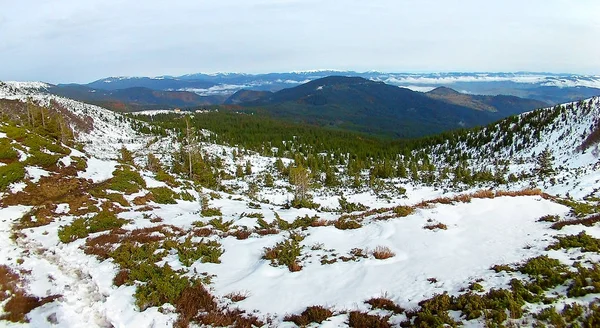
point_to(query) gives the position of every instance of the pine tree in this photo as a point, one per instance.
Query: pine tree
(544, 166)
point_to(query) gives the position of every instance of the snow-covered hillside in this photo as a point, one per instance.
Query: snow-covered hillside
(93, 238)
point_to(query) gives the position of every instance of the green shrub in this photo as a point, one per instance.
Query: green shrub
(11, 173)
(14, 132)
(207, 252)
(126, 180)
(39, 158)
(208, 211)
(162, 285)
(184, 195)
(582, 240)
(81, 228)
(546, 272)
(550, 316)
(105, 221)
(7, 152)
(77, 229)
(348, 207)
(165, 177)
(347, 224)
(163, 195)
(285, 252)
(221, 225)
(402, 211)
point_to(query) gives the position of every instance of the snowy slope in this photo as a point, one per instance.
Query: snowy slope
(439, 246)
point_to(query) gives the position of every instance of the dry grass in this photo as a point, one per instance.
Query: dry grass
(242, 234)
(237, 296)
(268, 231)
(19, 303)
(588, 222)
(385, 303)
(294, 267)
(359, 319)
(382, 253)
(196, 304)
(436, 226)
(312, 314)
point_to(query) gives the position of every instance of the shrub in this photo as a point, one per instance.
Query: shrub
(402, 211)
(549, 218)
(14, 132)
(588, 222)
(209, 211)
(81, 228)
(162, 285)
(7, 152)
(11, 173)
(359, 319)
(285, 252)
(545, 271)
(582, 240)
(382, 253)
(316, 314)
(166, 178)
(348, 207)
(42, 159)
(237, 296)
(346, 224)
(385, 304)
(207, 252)
(163, 195)
(440, 226)
(221, 225)
(126, 180)
(77, 229)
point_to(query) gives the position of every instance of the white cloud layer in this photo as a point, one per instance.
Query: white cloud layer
(73, 40)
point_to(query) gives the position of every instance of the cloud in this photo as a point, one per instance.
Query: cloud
(68, 40)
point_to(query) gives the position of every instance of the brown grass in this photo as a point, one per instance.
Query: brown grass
(359, 319)
(242, 234)
(382, 253)
(295, 267)
(384, 303)
(237, 296)
(196, 304)
(202, 232)
(269, 231)
(312, 314)
(588, 222)
(436, 226)
(19, 303)
(143, 200)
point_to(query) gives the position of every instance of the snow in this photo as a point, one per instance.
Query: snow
(500, 228)
(98, 170)
(35, 173)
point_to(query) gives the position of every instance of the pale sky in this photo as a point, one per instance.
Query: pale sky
(64, 41)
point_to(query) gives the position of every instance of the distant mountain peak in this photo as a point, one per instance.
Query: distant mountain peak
(443, 91)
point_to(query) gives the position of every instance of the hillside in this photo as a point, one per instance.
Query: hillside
(506, 104)
(112, 221)
(362, 105)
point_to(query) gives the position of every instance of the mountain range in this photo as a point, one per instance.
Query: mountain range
(548, 87)
(358, 104)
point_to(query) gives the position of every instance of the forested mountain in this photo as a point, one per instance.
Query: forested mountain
(547, 87)
(354, 103)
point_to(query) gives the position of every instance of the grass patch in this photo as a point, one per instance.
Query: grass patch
(81, 228)
(382, 253)
(312, 314)
(126, 180)
(582, 240)
(11, 173)
(163, 195)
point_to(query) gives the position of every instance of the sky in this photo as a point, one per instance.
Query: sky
(81, 41)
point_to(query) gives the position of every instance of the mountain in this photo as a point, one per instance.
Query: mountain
(507, 104)
(246, 96)
(134, 98)
(377, 108)
(548, 87)
(103, 224)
